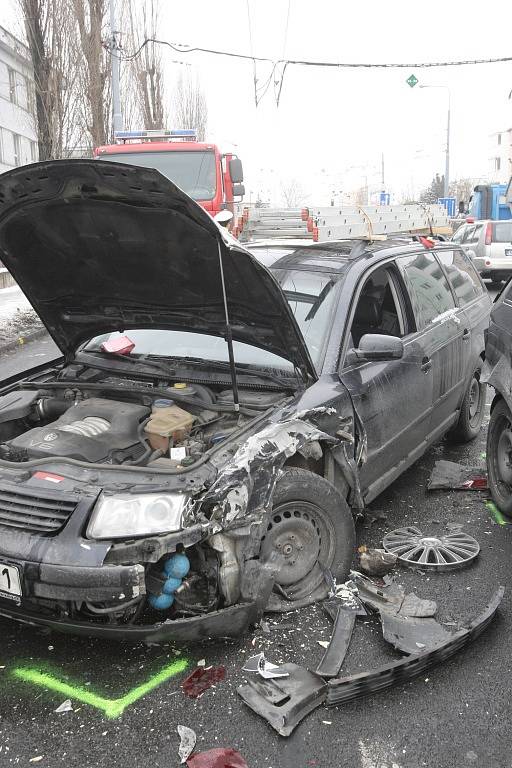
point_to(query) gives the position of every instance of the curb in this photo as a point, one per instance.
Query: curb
(21, 340)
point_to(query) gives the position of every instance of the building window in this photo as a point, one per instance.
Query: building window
(497, 163)
(17, 149)
(499, 138)
(12, 86)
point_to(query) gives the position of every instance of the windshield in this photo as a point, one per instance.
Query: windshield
(311, 299)
(193, 172)
(502, 232)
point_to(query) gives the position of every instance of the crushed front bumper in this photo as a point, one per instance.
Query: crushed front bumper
(229, 622)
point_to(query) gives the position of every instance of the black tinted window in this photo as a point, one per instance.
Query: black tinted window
(461, 274)
(428, 288)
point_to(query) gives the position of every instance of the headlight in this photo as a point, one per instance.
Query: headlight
(124, 515)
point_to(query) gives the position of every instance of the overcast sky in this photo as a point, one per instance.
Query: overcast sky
(333, 125)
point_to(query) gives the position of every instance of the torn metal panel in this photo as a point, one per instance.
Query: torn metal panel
(336, 651)
(283, 703)
(345, 689)
(246, 483)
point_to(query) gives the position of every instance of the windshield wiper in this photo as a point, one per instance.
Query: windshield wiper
(241, 368)
(169, 371)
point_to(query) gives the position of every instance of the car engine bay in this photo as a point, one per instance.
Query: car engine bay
(126, 428)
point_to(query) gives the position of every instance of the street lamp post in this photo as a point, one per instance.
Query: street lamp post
(447, 159)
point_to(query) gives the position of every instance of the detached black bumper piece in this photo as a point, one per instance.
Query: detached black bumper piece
(343, 689)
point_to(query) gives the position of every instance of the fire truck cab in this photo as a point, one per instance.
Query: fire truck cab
(211, 178)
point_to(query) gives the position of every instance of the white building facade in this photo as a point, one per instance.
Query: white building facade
(500, 169)
(18, 134)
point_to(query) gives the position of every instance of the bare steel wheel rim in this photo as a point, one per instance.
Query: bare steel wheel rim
(303, 535)
(475, 400)
(440, 553)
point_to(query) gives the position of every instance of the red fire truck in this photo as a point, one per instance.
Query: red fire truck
(211, 178)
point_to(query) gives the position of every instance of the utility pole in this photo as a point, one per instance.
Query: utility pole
(117, 116)
(447, 164)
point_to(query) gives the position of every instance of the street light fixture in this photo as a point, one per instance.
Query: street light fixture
(447, 163)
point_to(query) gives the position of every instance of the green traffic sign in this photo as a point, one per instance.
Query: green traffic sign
(412, 81)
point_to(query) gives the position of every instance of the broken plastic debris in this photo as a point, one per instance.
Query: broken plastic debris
(285, 702)
(66, 706)
(201, 663)
(201, 679)
(449, 474)
(36, 759)
(323, 643)
(376, 562)
(217, 758)
(188, 741)
(264, 668)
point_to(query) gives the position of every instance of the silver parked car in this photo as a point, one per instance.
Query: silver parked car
(489, 244)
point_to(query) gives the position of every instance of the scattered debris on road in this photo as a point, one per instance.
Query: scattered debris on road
(450, 475)
(448, 552)
(217, 758)
(188, 740)
(201, 679)
(376, 562)
(66, 706)
(263, 667)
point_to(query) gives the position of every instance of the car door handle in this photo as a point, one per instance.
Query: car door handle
(466, 335)
(426, 364)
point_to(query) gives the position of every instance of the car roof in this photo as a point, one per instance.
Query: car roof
(332, 256)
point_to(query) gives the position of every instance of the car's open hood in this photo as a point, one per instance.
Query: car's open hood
(98, 247)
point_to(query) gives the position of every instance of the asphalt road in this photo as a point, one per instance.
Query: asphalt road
(456, 715)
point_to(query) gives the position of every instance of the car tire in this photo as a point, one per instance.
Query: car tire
(312, 528)
(471, 411)
(499, 476)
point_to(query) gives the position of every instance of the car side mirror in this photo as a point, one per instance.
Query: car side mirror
(238, 190)
(235, 170)
(375, 347)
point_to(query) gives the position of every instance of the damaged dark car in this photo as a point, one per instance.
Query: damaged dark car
(197, 454)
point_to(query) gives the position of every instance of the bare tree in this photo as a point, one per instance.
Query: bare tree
(146, 69)
(49, 26)
(189, 105)
(292, 193)
(95, 81)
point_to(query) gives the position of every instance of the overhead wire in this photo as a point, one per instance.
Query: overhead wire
(259, 92)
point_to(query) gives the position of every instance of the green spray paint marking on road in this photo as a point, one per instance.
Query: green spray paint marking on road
(111, 707)
(495, 512)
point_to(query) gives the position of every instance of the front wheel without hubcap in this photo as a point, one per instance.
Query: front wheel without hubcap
(499, 457)
(311, 528)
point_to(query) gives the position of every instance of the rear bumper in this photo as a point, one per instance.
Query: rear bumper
(489, 267)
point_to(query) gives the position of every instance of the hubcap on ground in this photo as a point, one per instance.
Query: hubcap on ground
(299, 533)
(439, 553)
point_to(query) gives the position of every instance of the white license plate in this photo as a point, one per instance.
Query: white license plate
(10, 582)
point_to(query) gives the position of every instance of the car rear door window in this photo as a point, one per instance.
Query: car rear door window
(502, 232)
(427, 286)
(459, 235)
(462, 275)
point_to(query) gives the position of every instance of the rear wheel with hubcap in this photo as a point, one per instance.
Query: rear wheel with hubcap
(499, 457)
(311, 527)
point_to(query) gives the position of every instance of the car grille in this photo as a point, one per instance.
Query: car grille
(38, 512)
